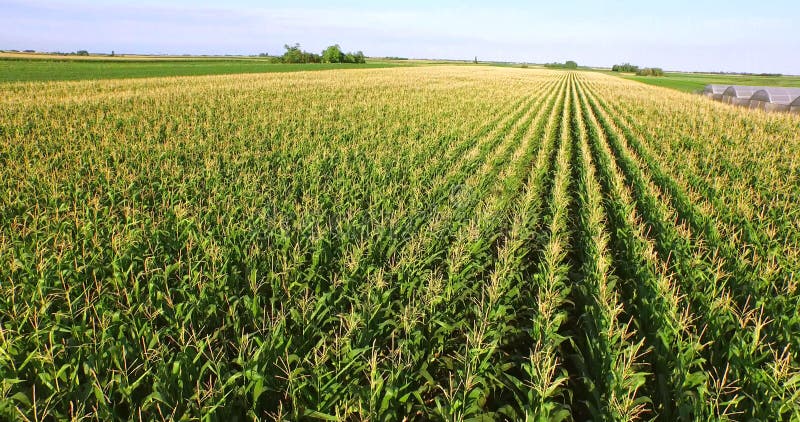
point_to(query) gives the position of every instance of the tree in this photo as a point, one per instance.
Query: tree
(476, 60)
(293, 54)
(569, 64)
(650, 71)
(625, 67)
(82, 53)
(333, 54)
(359, 56)
(311, 57)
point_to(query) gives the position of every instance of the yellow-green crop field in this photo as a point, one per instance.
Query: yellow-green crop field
(430, 243)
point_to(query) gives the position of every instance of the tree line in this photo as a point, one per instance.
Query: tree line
(629, 68)
(625, 67)
(569, 64)
(650, 71)
(332, 54)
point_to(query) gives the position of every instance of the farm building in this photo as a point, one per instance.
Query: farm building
(740, 95)
(714, 91)
(768, 98)
(774, 99)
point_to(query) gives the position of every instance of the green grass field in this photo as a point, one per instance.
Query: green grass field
(693, 82)
(29, 70)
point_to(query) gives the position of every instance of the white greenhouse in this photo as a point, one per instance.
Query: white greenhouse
(768, 98)
(774, 99)
(714, 91)
(739, 94)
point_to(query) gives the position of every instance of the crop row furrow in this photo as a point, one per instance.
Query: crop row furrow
(763, 240)
(543, 371)
(382, 305)
(415, 280)
(455, 287)
(479, 269)
(648, 288)
(609, 357)
(716, 318)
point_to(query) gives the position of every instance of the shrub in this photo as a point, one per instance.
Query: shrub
(569, 64)
(333, 54)
(650, 71)
(625, 67)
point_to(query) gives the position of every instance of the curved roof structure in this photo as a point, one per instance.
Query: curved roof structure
(741, 91)
(715, 89)
(739, 94)
(795, 106)
(768, 98)
(776, 95)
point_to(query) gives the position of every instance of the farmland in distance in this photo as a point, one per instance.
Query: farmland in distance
(437, 243)
(42, 67)
(695, 82)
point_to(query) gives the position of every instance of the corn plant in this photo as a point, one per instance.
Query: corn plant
(418, 243)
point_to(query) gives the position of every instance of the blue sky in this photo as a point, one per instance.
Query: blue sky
(736, 35)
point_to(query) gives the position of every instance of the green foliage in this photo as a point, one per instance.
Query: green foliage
(625, 67)
(294, 54)
(333, 54)
(650, 71)
(569, 64)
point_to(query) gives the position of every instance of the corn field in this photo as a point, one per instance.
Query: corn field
(432, 243)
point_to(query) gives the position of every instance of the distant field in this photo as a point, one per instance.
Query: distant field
(14, 69)
(693, 82)
(119, 57)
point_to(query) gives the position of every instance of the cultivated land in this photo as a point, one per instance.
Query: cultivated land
(31, 67)
(695, 82)
(432, 242)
